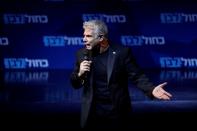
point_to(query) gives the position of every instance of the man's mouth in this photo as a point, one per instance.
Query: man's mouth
(87, 45)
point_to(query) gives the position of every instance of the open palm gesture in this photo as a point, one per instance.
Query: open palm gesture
(159, 93)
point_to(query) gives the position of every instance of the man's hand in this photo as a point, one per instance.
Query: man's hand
(84, 67)
(159, 93)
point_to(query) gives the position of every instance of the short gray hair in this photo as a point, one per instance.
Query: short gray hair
(99, 27)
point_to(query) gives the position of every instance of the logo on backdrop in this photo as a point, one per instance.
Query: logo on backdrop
(106, 18)
(178, 75)
(56, 41)
(142, 40)
(25, 19)
(4, 41)
(25, 63)
(178, 62)
(170, 18)
(25, 77)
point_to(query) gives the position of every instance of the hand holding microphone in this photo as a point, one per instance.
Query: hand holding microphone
(84, 67)
(85, 64)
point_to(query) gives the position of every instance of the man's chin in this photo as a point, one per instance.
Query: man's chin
(88, 48)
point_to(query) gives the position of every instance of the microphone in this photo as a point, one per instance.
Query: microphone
(86, 56)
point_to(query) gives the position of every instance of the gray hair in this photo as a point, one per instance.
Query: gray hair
(99, 27)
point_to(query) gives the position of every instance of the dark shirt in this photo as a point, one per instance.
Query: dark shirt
(102, 94)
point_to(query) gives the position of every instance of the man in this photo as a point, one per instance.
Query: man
(103, 70)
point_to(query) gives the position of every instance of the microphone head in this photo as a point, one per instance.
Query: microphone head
(86, 54)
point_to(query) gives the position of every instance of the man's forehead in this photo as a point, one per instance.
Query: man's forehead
(89, 31)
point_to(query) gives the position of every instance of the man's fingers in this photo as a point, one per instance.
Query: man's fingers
(163, 84)
(168, 94)
(165, 97)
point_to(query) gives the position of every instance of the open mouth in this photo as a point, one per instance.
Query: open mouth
(88, 46)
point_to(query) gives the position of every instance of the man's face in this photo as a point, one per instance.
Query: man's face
(90, 39)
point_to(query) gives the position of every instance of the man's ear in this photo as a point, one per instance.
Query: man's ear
(101, 37)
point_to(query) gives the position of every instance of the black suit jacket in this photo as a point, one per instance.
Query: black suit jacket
(121, 67)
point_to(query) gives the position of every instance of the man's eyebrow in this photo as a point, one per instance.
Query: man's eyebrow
(88, 35)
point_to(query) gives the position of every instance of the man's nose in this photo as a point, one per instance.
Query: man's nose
(84, 39)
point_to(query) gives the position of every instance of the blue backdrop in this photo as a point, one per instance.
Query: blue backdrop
(45, 34)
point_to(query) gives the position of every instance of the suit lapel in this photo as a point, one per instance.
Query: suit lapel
(110, 63)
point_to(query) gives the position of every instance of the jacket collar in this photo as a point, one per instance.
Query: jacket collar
(110, 62)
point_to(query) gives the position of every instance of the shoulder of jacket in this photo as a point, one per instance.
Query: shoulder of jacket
(80, 51)
(120, 48)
